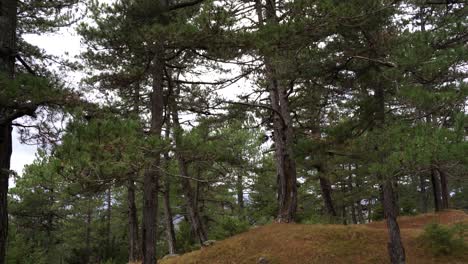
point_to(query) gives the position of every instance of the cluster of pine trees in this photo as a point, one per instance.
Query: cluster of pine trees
(353, 111)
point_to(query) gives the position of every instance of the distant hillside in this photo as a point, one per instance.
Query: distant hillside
(303, 244)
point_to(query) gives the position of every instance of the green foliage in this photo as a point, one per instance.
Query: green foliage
(444, 240)
(333, 56)
(18, 246)
(319, 219)
(184, 238)
(228, 226)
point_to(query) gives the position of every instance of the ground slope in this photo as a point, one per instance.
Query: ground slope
(303, 244)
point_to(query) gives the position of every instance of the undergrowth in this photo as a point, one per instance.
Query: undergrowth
(444, 240)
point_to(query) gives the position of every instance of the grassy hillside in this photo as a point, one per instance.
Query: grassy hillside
(303, 244)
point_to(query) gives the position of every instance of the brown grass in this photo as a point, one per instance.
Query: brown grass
(448, 217)
(304, 244)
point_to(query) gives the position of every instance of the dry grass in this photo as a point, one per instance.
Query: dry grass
(447, 218)
(303, 244)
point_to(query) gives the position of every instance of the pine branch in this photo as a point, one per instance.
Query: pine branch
(25, 65)
(260, 106)
(185, 4)
(384, 63)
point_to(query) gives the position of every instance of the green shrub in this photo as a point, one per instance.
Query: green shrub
(320, 219)
(228, 226)
(444, 240)
(184, 238)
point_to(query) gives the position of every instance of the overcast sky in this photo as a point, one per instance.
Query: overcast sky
(67, 43)
(57, 44)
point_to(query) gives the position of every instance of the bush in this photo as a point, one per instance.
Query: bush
(184, 238)
(228, 226)
(444, 240)
(321, 219)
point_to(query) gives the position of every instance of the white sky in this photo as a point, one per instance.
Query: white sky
(67, 43)
(56, 44)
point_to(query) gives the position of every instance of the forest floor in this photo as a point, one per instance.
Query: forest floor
(304, 244)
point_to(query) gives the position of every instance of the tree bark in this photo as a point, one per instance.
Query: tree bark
(326, 189)
(395, 246)
(190, 198)
(240, 194)
(353, 214)
(89, 218)
(152, 173)
(170, 231)
(5, 156)
(282, 129)
(369, 210)
(358, 183)
(423, 193)
(436, 190)
(134, 253)
(344, 217)
(109, 219)
(359, 212)
(134, 246)
(444, 189)
(7, 68)
(350, 191)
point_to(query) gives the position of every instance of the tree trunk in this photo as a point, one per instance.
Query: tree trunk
(240, 194)
(134, 246)
(170, 231)
(423, 193)
(369, 210)
(5, 156)
(89, 218)
(325, 186)
(444, 189)
(7, 68)
(358, 183)
(192, 211)
(191, 199)
(436, 190)
(152, 174)
(350, 191)
(353, 214)
(359, 212)
(282, 129)
(395, 246)
(134, 253)
(343, 204)
(109, 218)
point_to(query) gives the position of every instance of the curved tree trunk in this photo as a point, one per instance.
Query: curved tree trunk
(325, 186)
(395, 246)
(190, 196)
(191, 202)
